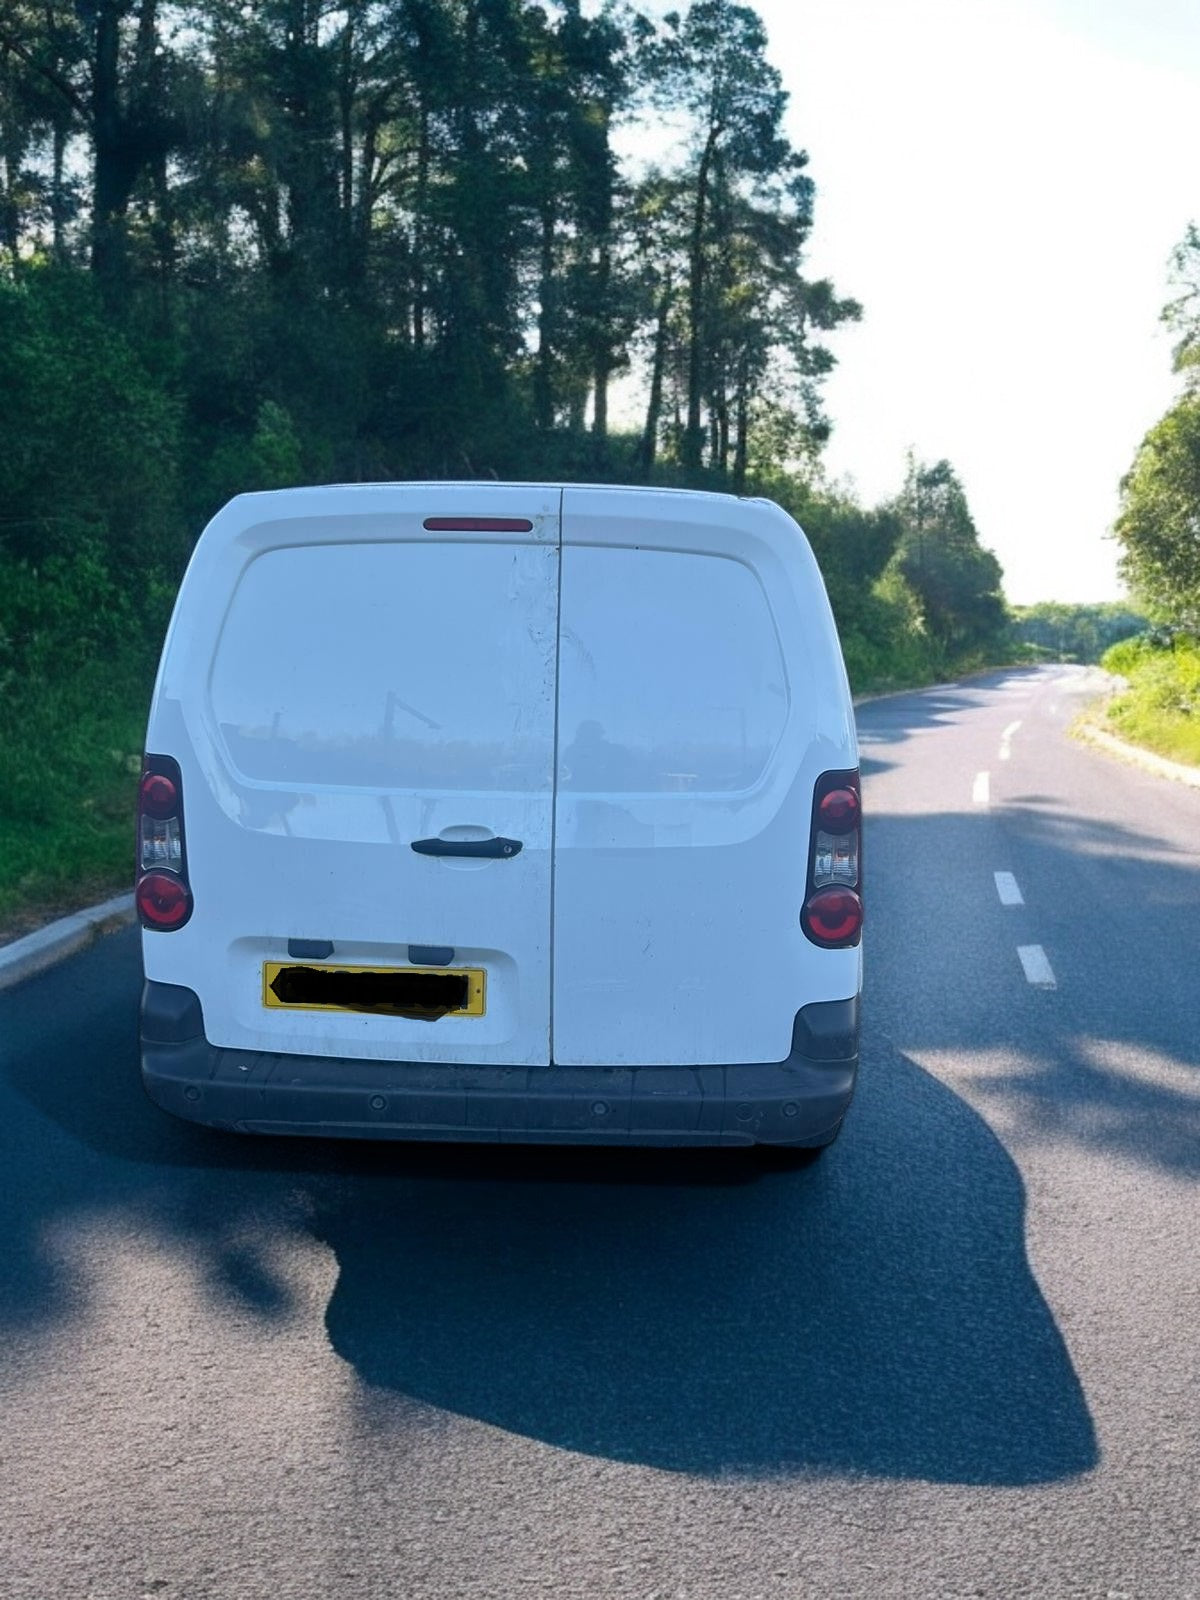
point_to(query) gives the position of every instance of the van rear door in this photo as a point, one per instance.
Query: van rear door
(352, 672)
(701, 694)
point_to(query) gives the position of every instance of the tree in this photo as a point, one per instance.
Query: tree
(108, 67)
(405, 223)
(957, 582)
(739, 312)
(1159, 520)
(1071, 632)
(1182, 313)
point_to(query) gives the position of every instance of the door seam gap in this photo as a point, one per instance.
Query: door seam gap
(554, 771)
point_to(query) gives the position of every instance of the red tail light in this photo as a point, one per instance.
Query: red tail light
(159, 796)
(162, 893)
(839, 810)
(833, 916)
(163, 900)
(833, 908)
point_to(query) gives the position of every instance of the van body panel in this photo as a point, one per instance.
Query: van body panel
(639, 689)
(347, 684)
(798, 1102)
(700, 695)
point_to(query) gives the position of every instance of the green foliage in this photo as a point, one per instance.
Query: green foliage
(89, 453)
(884, 642)
(1159, 521)
(271, 458)
(90, 545)
(1058, 631)
(738, 317)
(243, 247)
(77, 654)
(1161, 707)
(1182, 313)
(1127, 655)
(957, 581)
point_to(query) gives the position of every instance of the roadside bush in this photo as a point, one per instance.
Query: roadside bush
(1127, 655)
(1161, 706)
(1169, 680)
(93, 460)
(78, 649)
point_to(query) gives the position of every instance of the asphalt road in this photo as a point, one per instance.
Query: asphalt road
(957, 1357)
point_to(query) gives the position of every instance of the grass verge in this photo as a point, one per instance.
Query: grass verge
(1160, 707)
(70, 755)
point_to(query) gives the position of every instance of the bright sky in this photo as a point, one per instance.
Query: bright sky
(1000, 182)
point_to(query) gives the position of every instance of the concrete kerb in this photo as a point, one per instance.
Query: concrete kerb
(45, 947)
(1091, 734)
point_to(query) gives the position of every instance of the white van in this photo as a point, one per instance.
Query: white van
(506, 812)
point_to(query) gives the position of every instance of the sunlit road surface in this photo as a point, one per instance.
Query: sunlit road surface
(956, 1358)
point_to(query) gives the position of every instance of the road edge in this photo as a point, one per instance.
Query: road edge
(47, 946)
(952, 683)
(1092, 733)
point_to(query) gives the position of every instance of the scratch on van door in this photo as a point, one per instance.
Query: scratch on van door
(572, 638)
(389, 715)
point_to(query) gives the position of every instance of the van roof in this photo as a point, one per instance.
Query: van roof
(500, 483)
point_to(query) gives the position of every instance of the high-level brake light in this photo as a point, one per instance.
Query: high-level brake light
(477, 525)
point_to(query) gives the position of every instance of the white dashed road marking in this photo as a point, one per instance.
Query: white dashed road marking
(980, 793)
(1038, 970)
(1006, 739)
(1006, 888)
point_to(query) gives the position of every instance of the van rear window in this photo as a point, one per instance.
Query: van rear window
(671, 677)
(409, 665)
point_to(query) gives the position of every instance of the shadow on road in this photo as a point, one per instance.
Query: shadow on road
(1110, 1061)
(874, 1314)
(892, 719)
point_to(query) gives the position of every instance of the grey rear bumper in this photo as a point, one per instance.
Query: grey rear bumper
(798, 1102)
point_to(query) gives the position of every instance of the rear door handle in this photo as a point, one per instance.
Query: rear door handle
(467, 847)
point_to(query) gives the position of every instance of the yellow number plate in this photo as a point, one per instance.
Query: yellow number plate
(386, 991)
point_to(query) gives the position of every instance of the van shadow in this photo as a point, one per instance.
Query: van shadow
(873, 1314)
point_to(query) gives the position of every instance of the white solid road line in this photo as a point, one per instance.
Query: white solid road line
(1006, 888)
(1006, 739)
(1038, 970)
(980, 793)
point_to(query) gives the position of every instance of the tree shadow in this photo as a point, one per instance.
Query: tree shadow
(1110, 1060)
(893, 719)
